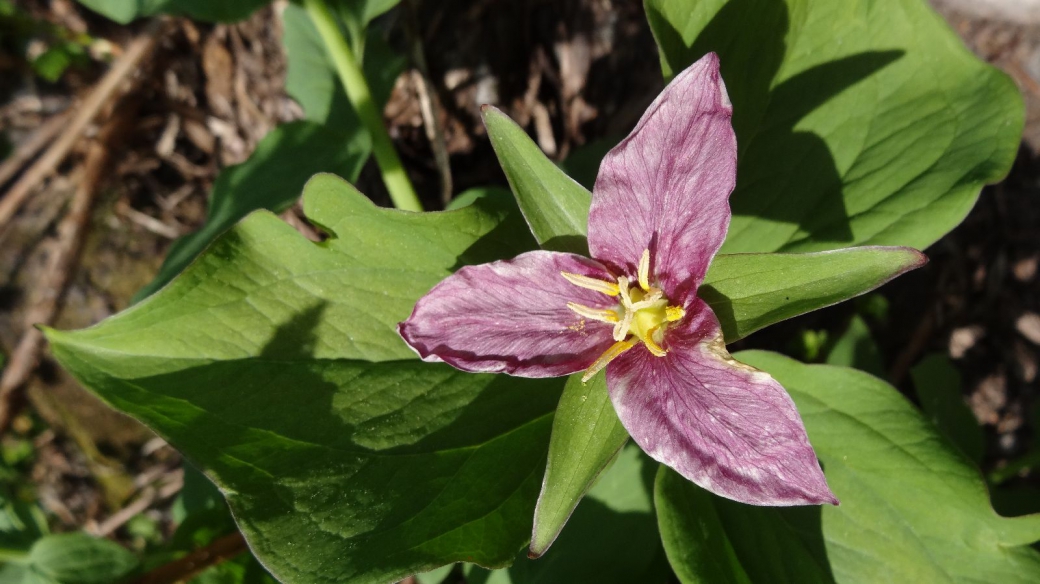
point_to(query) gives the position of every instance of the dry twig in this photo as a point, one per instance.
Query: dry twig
(429, 104)
(136, 51)
(32, 146)
(184, 569)
(60, 264)
(149, 496)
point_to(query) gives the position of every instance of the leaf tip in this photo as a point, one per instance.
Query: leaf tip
(52, 335)
(919, 259)
(487, 111)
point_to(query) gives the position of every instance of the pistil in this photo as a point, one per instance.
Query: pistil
(642, 313)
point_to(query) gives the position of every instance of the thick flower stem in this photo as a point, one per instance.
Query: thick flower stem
(394, 176)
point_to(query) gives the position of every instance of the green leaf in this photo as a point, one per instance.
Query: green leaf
(77, 558)
(787, 544)
(859, 122)
(498, 195)
(750, 291)
(125, 11)
(51, 65)
(912, 507)
(586, 436)
(612, 537)
(435, 576)
(938, 386)
(273, 363)
(684, 512)
(856, 348)
(313, 82)
(21, 525)
(555, 206)
(272, 179)
(365, 11)
(214, 11)
(356, 15)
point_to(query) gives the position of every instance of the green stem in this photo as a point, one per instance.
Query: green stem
(394, 176)
(1011, 470)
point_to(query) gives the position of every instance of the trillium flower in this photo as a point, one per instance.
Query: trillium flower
(660, 211)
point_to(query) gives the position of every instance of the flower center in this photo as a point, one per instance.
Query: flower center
(642, 313)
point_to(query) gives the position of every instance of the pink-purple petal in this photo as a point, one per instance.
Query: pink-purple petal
(666, 187)
(511, 317)
(723, 425)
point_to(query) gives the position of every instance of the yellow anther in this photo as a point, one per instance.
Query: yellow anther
(644, 271)
(608, 288)
(651, 344)
(641, 313)
(608, 316)
(608, 356)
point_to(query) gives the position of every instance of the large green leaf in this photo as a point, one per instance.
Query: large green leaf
(272, 179)
(913, 509)
(612, 537)
(214, 10)
(859, 122)
(856, 348)
(938, 386)
(274, 364)
(125, 11)
(683, 513)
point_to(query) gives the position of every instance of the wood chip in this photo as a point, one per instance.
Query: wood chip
(963, 339)
(1028, 325)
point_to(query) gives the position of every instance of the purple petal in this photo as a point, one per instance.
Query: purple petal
(726, 426)
(666, 187)
(512, 317)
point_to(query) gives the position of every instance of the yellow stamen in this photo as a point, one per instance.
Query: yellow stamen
(674, 313)
(608, 356)
(644, 270)
(608, 316)
(652, 345)
(608, 288)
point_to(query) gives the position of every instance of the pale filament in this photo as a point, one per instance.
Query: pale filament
(608, 288)
(644, 271)
(640, 315)
(608, 356)
(602, 315)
